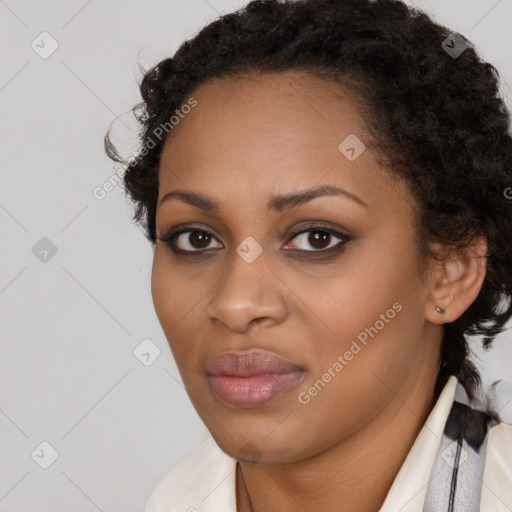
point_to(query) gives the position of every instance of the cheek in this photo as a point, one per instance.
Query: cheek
(354, 294)
(372, 310)
(178, 298)
(163, 290)
(175, 294)
(174, 301)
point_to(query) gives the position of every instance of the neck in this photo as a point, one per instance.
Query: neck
(354, 475)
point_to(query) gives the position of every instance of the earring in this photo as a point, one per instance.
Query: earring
(439, 310)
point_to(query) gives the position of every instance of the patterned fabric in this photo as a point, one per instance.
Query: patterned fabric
(456, 479)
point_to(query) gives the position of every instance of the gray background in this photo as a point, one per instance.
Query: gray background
(69, 324)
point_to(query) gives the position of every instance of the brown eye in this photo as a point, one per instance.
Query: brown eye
(199, 239)
(190, 240)
(318, 239)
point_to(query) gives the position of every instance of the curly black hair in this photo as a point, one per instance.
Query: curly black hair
(435, 117)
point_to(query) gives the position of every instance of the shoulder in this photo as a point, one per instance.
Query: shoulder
(204, 480)
(497, 477)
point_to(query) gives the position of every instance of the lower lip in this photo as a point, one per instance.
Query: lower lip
(255, 391)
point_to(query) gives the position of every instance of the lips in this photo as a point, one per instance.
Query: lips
(251, 379)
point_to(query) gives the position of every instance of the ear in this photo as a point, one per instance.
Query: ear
(454, 282)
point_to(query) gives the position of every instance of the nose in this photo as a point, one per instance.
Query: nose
(248, 294)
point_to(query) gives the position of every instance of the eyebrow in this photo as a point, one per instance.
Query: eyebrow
(278, 203)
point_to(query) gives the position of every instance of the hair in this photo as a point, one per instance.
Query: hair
(436, 121)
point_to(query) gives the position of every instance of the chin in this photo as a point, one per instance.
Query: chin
(256, 446)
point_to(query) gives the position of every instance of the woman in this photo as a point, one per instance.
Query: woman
(324, 183)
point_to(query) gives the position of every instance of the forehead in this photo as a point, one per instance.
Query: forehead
(262, 134)
(273, 111)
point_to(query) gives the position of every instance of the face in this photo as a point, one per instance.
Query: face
(291, 295)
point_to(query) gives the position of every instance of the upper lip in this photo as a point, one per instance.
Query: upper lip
(249, 363)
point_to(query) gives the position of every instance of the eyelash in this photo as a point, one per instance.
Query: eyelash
(170, 237)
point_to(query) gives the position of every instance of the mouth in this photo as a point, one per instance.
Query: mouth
(251, 379)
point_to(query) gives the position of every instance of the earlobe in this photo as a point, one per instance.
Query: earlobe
(455, 281)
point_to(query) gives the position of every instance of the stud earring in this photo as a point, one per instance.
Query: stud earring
(439, 310)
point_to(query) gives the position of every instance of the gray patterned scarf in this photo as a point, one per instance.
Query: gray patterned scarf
(456, 479)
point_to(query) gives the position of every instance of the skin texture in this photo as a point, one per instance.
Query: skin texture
(247, 140)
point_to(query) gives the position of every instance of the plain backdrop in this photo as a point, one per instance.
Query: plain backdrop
(85, 424)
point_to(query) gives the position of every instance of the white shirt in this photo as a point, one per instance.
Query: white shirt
(205, 480)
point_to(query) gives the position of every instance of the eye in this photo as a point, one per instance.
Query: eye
(316, 239)
(189, 240)
(321, 239)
